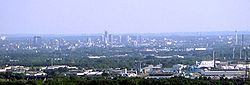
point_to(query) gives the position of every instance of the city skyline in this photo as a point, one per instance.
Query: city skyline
(131, 42)
(163, 16)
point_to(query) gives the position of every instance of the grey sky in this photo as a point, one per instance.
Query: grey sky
(122, 16)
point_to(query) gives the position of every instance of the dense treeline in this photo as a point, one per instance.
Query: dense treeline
(78, 57)
(123, 81)
(21, 79)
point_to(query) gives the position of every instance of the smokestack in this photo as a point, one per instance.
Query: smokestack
(242, 46)
(214, 58)
(245, 55)
(240, 54)
(233, 53)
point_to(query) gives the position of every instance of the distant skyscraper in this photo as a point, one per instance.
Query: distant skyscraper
(37, 41)
(102, 38)
(242, 40)
(139, 39)
(110, 37)
(125, 39)
(106, 34)
(120, 39)
(106, 37)
(128, 38)
(88, 40)
(3, 37)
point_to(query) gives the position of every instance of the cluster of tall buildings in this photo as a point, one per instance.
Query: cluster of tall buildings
(3, 38)
(111, 38)
(37, 41)
(107, 38)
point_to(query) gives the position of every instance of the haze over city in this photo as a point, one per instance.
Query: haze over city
(122, 16)
(124, 42)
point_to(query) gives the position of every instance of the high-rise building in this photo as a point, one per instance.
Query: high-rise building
(125, 39)
(37, 41)
(3, 37)
(106, 37)
(139, 39)
(106, 34)
(110, 38)
(102, 38)
(120, 39)
(128, 38)
(88, 40)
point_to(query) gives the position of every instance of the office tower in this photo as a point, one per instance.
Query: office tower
(102, 38)
(120, 39)
(88, 40)
(110, 38)
(125, 39)
(37, 41)
(3, 38)
(139, 39)
(106, 37)
(128, 38)
(106, 34)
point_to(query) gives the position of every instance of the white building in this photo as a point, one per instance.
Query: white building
(227, 74)
(207, 64)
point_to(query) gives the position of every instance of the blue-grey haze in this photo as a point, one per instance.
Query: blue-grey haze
(122, 16)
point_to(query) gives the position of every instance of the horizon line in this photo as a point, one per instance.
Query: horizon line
(114, 33)
(207, 33)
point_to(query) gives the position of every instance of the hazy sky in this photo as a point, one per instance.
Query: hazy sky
(122, 16)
